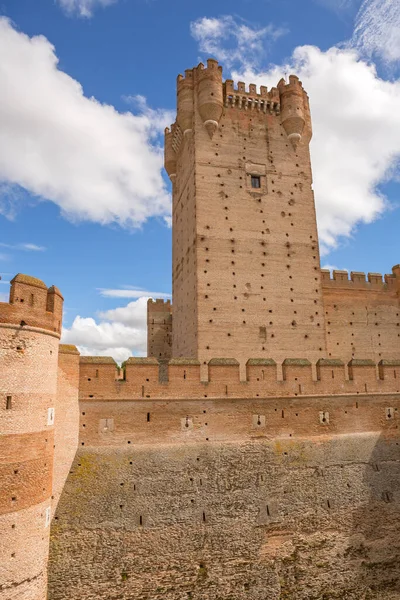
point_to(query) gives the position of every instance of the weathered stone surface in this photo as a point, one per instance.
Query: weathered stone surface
(269, 519)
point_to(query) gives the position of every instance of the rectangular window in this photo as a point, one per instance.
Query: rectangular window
(255, 181)
(8, 403)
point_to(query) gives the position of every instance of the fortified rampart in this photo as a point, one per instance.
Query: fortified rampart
(266, 489)
(258, 475)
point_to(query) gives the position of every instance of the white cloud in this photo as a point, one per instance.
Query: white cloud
(4, 297)
(356, 143)
(83, 8)
(133, 315)
(27, 246)
(232, 40)
(377, 29)
(96, 164)
(129, 292)
(119, 332)
(159, 118)
(338, 6)
(4, 256)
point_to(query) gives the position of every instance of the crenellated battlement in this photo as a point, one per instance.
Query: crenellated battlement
(263, 101)
(159, 305)
(359, 280)
(32, 304)
(146, 378)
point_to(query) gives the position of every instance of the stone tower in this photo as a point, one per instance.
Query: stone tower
(30, 326)
(246, 268)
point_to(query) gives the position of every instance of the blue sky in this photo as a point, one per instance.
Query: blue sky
(89, 87)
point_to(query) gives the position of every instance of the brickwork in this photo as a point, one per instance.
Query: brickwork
(144, 378)
(29, 338)
(159, 329)
(252, 285)
(362, 314)
(67, 417)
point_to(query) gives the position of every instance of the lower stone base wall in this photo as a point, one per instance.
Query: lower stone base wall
(269, 519)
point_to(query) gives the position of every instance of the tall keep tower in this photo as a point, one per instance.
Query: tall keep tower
(246, 268)
(30, 327)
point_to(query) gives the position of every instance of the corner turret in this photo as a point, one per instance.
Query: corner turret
(210, 94)
(169, 154)
(185, 104)
(295, 112)
(30, 327)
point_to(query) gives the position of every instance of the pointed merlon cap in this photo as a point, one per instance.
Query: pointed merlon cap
(330, 362)
(296, 362)
(54, 290)
(28, 280)
(223, 361)
(262, 362)
(184, 361)
(68, 349)
(141, 360)
(98, 360)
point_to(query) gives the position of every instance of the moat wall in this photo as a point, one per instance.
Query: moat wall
(231, 498)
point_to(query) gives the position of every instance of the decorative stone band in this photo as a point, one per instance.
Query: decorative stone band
(30, 328)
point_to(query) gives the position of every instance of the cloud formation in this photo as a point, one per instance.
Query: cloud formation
(83, 8)
(28, 247)
(96, 164)
(120, 332)
(377, 29)
(230, 39)
(131, 292)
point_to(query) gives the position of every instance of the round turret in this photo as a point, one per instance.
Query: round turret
(210, 95)
(292, 108)
(28, 385)
(169, 154)
(185, 107)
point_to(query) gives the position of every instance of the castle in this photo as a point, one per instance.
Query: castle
(255, 453)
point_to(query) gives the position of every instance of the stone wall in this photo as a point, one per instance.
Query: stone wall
(264, 499)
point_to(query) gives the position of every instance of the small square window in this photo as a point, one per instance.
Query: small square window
(255, 181)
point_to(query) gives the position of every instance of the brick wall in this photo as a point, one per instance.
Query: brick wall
(29, 341)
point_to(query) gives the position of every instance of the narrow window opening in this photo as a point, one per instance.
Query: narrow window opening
(328, 503)
(255, 181)
(204, 517)
(333, 375)
(97, 372)
(268, 510)
(9, 403)
(148, 417)
(184, 374)
(140, 520)
(283, 414)
(32, 300)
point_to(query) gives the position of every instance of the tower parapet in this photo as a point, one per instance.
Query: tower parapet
(264, 101)
(32, 304)
(30, 327)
